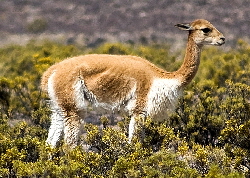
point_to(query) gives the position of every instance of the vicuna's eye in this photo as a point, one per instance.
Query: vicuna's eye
(206, 30)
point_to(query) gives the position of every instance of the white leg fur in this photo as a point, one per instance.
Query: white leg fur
(132, 125)
(57, 117)
(135, 124)
(56, 129)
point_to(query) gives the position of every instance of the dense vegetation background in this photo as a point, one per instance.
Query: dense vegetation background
(207, 135)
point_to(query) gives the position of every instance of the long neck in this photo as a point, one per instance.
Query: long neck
(191, 62)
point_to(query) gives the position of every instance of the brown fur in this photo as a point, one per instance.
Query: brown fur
(103, 77)
(111, 77)
(192, 56)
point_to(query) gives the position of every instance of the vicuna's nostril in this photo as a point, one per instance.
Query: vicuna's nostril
(223, 38)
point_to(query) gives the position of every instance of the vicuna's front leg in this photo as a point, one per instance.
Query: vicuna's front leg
(71, 129)
(136, 127)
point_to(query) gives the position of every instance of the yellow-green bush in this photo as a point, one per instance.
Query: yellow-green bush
(207, 136)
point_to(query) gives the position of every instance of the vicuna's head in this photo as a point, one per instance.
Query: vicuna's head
(203, 32)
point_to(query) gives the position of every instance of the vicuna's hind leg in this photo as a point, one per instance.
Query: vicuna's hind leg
(57, 117)
(72, 129)
(56, 128)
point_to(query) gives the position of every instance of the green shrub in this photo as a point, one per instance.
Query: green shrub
(207, 136)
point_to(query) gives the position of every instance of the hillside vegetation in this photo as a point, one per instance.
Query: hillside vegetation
(207, 135)
(93, 22)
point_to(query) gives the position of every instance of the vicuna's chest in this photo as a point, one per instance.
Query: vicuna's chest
(163, 97)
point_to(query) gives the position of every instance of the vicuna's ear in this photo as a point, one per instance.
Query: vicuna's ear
(184, 26)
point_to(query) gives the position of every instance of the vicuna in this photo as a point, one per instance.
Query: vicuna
(120, 83)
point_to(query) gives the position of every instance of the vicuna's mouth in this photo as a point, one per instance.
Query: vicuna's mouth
(220, 43)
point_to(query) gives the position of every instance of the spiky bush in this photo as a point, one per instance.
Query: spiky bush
(207, 136)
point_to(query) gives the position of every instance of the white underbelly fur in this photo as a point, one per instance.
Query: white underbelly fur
(85, 98)
(161, 99)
